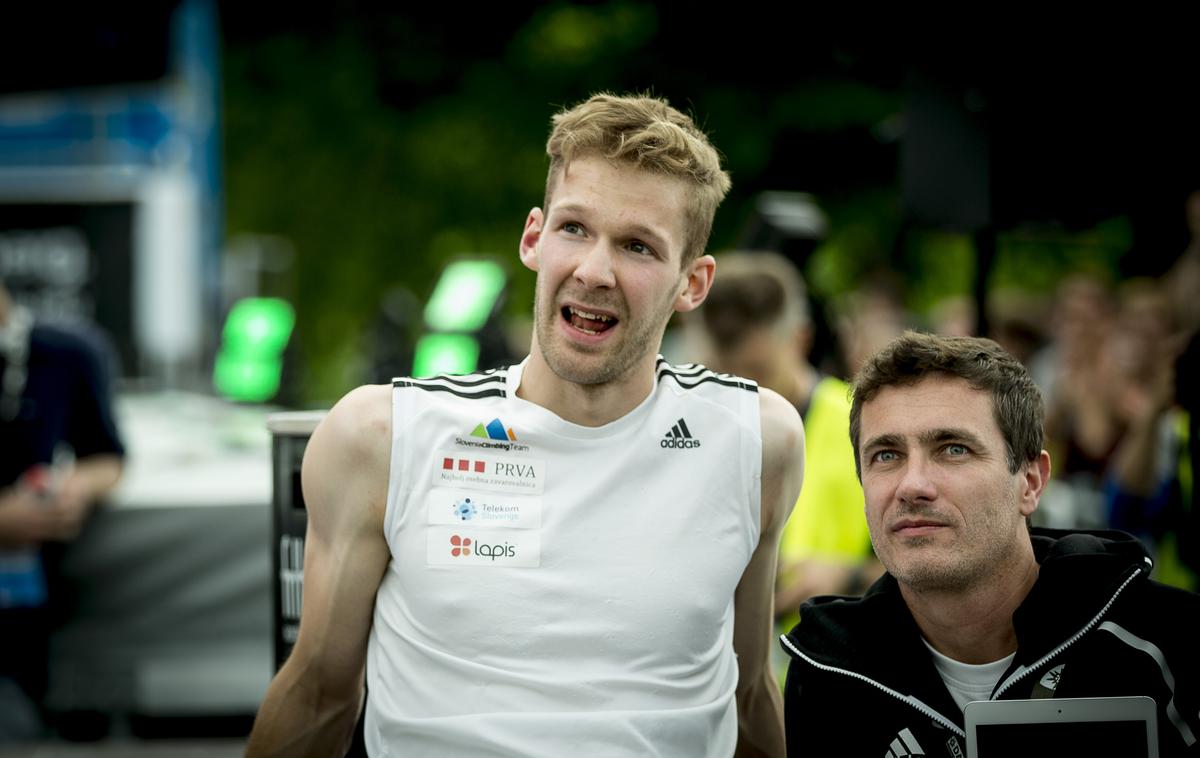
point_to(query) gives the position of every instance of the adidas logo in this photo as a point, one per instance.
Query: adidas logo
(679, 437)
(904, 745)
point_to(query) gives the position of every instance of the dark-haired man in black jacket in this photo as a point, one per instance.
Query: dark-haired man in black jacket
(947, 434)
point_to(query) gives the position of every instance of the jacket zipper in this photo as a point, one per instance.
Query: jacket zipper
(912, 701)
(1023, 671)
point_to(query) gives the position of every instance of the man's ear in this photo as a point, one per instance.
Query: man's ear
(1037, 474)
(530, 238)
(696, 283)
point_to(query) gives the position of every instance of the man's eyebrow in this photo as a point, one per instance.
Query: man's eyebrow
(883, 440)
(631, 230)
(951, 434)
(569, 208)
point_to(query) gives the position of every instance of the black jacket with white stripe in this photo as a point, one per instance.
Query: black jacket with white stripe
(862, 683)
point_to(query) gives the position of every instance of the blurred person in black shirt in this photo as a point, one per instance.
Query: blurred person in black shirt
(60, 452)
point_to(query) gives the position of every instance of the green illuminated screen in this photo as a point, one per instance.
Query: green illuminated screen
(445, 354)
(250, 361)
(250, 379)
(261, 324)
(465, 296)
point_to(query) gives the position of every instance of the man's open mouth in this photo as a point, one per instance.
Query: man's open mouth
(587, 321)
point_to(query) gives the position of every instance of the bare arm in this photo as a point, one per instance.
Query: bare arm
(89, 481)
(313, 703)
(760, 706)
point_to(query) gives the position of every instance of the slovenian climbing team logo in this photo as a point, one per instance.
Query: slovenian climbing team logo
(493, 435)
(494, 430)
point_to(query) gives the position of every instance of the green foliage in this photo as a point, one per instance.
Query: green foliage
(1036, 259)
(384, 144)
(863, 229)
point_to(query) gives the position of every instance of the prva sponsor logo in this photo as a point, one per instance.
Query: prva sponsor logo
(462, 464)
(514, 470)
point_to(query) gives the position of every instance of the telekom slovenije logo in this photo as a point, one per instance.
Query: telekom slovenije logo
(460, 545)
(463, 464)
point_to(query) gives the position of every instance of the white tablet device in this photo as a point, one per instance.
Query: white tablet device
(1094, 726)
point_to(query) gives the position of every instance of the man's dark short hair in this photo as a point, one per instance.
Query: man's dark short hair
(1016, 402)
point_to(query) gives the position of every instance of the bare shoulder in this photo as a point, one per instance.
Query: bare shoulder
(783, 456)
(362, 418)
(350, 451)
(782, 430)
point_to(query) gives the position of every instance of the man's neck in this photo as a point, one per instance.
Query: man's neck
(585, 404)
(974, 626)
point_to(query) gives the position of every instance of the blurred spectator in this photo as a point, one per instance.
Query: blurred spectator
(1151, 489)
(1140, 350)
(870, 318)
(757, 323)
(1016, 319)
(953, 316)
(1182, 281)
(1082, 427)
(59, 453)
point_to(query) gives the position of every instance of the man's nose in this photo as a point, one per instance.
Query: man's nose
(916, 484)
(595, 268)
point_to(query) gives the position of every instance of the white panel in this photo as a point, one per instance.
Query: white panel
(166, 275)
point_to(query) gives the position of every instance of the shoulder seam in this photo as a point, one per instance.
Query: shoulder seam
(695, 375)
(472, 391)
(463, 380)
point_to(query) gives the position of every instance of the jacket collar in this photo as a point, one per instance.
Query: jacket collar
(1079, 574)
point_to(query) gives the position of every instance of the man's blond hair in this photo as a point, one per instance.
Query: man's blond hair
(647, 133)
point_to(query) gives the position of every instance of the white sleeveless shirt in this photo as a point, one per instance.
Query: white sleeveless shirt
(557, 589)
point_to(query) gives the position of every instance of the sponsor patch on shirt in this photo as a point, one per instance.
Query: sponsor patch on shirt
(462, 546)
(485, 510)
(470, 470)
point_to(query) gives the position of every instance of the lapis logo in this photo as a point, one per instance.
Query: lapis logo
(460, 546)
(464, 510)
(494, 430)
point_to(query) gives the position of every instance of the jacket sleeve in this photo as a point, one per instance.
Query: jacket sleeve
(1161, 632)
